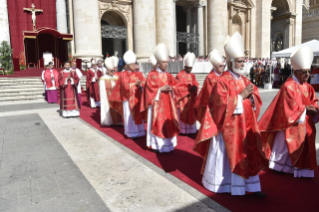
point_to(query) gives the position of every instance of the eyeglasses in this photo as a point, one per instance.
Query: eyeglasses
(305, 72)
(240, 61)
(221, 66)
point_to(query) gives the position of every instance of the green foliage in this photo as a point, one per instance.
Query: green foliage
(6, 56)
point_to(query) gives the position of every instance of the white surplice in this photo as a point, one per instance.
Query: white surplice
(157, 143)
(69, 113)
(186, 128)
(102, 69)
(80, 75)
(218, 177)
(106, 117)
(52, 80)
(280, 159)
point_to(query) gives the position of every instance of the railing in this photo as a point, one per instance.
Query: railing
(310, 13)
(184, 37)
(117, 32)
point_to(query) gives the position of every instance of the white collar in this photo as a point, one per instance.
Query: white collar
(160, 71)
(295, 79)
(67, 70)
(217, 73)
(236, 76)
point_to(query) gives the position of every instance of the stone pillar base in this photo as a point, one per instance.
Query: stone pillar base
(268, 86)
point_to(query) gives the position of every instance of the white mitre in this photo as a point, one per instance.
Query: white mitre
(93, 62)
(301, 58)
(215, 58)
(189, 59)
(234, 46)
(153, 60)
(115, 60)
(109, 63)
(129, 57)
(161, 52)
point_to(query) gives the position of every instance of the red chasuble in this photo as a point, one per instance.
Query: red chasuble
(185, 98)
(283, 114)
(165, 122)
(47, 78)
(69, 93)
(93, 89)
(240, 132)
(116, 117)
(203, 96)
(126, 90)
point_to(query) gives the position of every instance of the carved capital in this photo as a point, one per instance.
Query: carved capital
(125, 9)
(200, 3)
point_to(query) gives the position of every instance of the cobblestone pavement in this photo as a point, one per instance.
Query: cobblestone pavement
(36, 172)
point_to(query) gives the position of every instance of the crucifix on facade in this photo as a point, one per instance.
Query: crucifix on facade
(33, 11)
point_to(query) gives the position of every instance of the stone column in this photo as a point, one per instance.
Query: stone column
(217, 24)
(165, 24)
(71, 26)
(87, 25)
(263, 17)
(200, 27)
(4, 22)
(144, 29)
(188, 10)
(175, 28)
(61, 16)
(248, 34)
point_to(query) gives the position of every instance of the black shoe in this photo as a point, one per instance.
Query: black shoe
(278, 172)
(259, 194)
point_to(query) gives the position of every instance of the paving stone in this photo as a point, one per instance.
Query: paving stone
(62, 164)
(54, 151)
(42, 167)
(32, 208)
(7, 204)
(55, 205)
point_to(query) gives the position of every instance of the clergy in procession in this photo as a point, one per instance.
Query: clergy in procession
(186, 95)
(69, 102)
(50, 78)
(288, 126)
(107, 83)
(233, 157)
(126, 97)
(80, 75)
(100, 67)
(202, 100)
(92, 86)
(158, 100)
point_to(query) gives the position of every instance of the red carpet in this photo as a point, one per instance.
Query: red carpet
(284, 192)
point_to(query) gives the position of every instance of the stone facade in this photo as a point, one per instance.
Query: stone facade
(310, 21)
(4, 22)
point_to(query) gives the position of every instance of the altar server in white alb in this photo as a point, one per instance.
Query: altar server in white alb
(158, 100)
(80, 75)
(187, 90)
(126, 97)
(107, 83)
(233, 157)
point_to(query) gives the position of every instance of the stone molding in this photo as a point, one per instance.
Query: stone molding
(123, 7)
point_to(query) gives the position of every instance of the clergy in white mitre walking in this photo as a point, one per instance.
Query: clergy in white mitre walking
(158, 101)
(107, 83)
(80, 75)
(126, 97)
(233, 157)
(187, 91)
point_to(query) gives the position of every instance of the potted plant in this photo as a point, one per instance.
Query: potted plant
(22, 61)
(6, 56)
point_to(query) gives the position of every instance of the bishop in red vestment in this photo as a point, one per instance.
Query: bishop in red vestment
(288, 125)
(158, 101)
(69, 102)
(50, 78)
(201, 101)
(233, 157)
(92, 86)
(186, 96)
(126, 97)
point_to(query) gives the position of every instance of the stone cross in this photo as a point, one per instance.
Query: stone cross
(33, 11)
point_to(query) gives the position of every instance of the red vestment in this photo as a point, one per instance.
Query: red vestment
(116, 117)
(185, 97)
(165, 122)
(203, 96)
(126, 90)
(47, 78)
(69, 99)
(239, 131)
(283, 114)
(92, 89)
